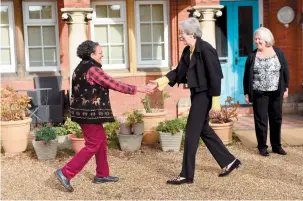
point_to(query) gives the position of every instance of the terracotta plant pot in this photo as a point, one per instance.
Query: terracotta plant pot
(151, 121)
(46, 151)
(77, 143)
(224, 131)
(14, 135)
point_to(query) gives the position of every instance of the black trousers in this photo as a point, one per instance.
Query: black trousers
(268, 106)
(198, 126)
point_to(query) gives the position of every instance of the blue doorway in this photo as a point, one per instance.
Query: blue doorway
(234, 42)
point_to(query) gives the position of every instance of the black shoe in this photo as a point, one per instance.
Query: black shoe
(178, 181)
(263, 152)
(64, 181)
(98, 180)
(227, 171)
(279, 151)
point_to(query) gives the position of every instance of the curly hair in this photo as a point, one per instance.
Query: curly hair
(86, 48)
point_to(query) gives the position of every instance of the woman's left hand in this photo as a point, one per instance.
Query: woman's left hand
(285, 95)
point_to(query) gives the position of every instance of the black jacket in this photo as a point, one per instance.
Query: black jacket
(202, 72)
(249, 67)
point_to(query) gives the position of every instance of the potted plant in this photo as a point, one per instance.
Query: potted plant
(15, 125)
(171, 133)
(75, 134)
(153, 114)
(46, 143)
(62, 136)
(124, 127)
(132, 142)
(111, 130)
(134, 120)
(222, 121)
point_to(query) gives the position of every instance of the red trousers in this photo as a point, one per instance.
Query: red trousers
(95, 144)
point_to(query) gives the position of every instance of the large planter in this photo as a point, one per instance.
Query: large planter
(14, 135)
(224, 131)
(77, 143)
(64, 142)
(151, 121)
(46, 151)
(170, 142)
(130, 142)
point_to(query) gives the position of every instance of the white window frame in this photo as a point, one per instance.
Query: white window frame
(110, 21)
(146, 64)
(12, 67)
(39, 22)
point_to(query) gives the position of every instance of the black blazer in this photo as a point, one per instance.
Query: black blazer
(202, 72)
(248, 73)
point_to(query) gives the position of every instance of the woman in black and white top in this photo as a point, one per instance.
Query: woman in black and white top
(266, 80)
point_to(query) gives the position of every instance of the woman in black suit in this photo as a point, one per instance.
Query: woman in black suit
(200, 68)
(265, 84)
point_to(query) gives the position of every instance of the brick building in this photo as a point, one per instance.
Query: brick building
(140, 41)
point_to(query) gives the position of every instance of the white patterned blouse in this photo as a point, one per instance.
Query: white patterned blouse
(266, 73)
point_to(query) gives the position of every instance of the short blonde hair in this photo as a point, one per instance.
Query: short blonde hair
(266, 35)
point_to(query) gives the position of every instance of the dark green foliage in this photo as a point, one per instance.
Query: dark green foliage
(111, 131)
(45, 134)
(172, 126)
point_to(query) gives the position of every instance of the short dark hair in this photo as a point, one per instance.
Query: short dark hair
(86, 48)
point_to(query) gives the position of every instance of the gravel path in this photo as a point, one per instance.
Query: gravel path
(143, 176)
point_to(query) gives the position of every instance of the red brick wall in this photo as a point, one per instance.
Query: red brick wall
(288, 39)
(122, 102)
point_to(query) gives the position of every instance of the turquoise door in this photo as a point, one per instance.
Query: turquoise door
(234, 41)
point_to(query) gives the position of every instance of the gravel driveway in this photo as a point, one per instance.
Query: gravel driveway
(143, 175)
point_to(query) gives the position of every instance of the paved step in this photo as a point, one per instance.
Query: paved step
(290, 137)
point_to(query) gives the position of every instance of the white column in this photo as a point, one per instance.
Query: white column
(207, 21)
(77, 20)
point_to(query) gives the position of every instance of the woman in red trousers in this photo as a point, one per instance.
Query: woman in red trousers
(90, 107)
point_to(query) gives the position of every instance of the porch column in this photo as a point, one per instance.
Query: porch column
(77, 20)
(207, 21)
(132, 52)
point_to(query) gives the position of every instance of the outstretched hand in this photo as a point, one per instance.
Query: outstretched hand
(151, 86)
(143, 89)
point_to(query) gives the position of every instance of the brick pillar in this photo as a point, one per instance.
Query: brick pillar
(77, 20)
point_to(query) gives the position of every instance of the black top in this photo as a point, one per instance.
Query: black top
(249, 67)
(202, 72)
(89, 103)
